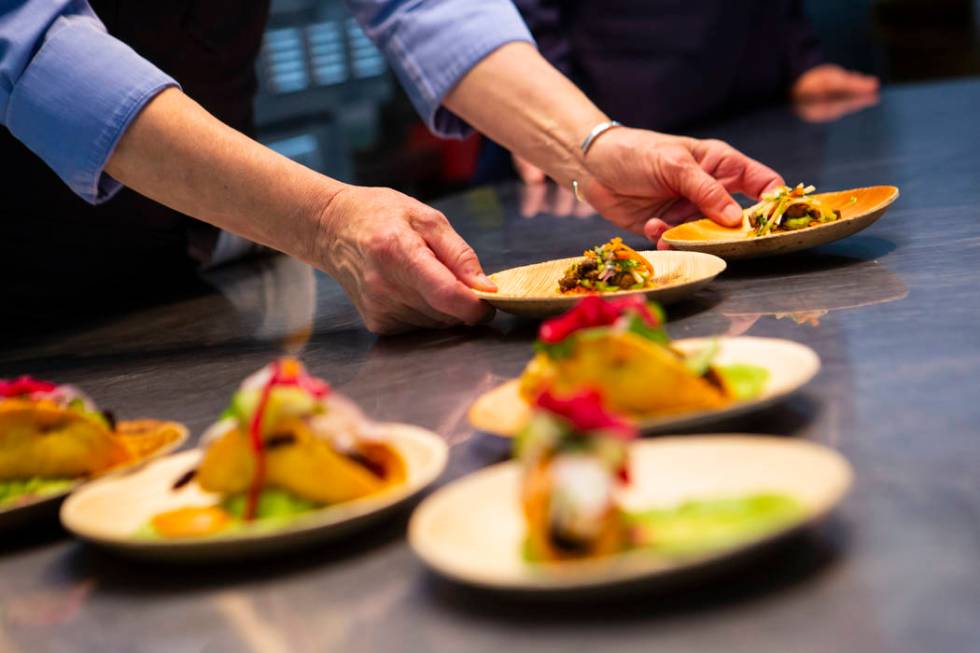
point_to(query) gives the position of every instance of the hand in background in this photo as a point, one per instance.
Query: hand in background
(400, 261)
(528, 172)
(646, 182)
(538, 196)
(828, 92)
(830, 81)
(551, 199)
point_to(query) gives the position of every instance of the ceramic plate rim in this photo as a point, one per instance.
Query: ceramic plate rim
(586, 577)
(686, 420)
(327, 518)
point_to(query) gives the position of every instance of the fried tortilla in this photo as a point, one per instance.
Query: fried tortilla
(300, 462)
(544, 540)
(635, 376)
(43, 439)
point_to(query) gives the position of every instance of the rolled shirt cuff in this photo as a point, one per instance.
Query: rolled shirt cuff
(430, 57)
(77, 97)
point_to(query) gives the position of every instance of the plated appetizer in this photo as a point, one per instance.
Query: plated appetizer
(618, 347)
(289, 463)
(575, 461)
(786, 220)
(285, 446)
(53, 437)
(789, 209)
(586, 507)
(608, 268)
(613, 268)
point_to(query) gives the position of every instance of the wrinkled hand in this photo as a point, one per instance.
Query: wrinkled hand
(646, 182)
(830, 81)
(400, 261)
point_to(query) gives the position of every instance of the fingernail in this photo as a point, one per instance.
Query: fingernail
(732, 214)
(487, 283)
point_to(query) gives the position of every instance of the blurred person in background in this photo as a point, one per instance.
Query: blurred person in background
(669, 64)
(156, 98)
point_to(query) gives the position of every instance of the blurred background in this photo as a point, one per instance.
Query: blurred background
(328, 100)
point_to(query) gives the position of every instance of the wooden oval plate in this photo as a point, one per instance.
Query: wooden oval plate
(502, 411)
(148, 438)
(472, 529)
(109, 512)
(732, 244)
(532, 290)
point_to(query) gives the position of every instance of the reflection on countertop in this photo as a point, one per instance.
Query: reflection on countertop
(807, 287)
(896, 569)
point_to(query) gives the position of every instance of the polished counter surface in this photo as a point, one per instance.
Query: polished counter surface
(892, 312)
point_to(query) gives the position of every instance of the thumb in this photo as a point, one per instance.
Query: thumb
(707, 193)
(654, 229)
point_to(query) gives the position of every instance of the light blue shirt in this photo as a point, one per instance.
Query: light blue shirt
(68, 90)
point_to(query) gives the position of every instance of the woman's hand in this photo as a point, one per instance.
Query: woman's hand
(830, 81)
(828, 92)
(400, 261)
(646, 182)
(527, 171)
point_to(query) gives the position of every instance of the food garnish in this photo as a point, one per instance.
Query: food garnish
(789, 209)
(618, 348)
(574, 455)
(606, 268)
(286, 445)
(53, 436)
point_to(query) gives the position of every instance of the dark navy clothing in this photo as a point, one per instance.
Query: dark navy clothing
(664, 64)
(668, 64)
(54, 238)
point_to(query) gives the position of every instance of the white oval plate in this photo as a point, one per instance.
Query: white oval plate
(532, 290)
(502, 411)
(42, 509)
(109, 512)
(472, 529)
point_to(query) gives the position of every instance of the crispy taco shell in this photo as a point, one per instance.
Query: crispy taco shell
(43, 439)
(144, 437)
(307, 465)
(536, 492)
(635, 376)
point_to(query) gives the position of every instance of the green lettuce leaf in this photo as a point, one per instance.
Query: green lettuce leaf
(21, 490)
(744, 381)
(697, 527)
(273, 504)
(699, 362)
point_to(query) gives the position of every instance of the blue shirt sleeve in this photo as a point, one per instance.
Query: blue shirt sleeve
(68, 90)
(432, 44)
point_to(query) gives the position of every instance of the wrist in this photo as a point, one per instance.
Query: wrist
(603, 145)
(595, 133)
(322, 214)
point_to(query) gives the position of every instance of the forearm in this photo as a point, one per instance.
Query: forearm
(176, 153)
(519, 100)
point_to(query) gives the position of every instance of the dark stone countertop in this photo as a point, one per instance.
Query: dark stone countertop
(891, 311)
